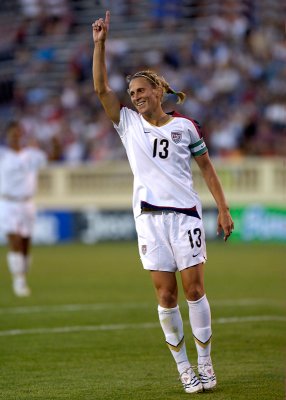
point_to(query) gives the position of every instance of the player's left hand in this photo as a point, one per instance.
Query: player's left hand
(225, 224)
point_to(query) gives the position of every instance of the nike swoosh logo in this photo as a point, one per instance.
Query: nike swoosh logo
(195, 255)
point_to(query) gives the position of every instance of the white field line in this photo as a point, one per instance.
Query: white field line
(70, 308)
(122, 327)
(105, 306)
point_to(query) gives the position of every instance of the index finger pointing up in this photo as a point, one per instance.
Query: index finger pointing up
(107, 19)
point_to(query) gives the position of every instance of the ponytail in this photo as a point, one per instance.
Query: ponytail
(180, 95)
(158, 81)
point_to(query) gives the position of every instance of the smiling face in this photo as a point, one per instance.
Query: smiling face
(144, 96)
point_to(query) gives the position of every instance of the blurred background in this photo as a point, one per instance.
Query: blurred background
(228, 57)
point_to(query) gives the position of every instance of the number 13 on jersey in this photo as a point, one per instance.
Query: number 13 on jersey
(160, 148)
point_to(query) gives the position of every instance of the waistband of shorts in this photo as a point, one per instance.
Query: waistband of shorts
(151, 210)
(146, 207)
(16, 199)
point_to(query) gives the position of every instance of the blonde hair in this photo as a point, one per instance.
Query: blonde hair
(158, 81)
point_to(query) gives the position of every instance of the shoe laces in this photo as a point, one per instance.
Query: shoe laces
(206, 368)
(190, 371)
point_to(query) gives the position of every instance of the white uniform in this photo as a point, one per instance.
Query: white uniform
(160, 159)
(18, 185)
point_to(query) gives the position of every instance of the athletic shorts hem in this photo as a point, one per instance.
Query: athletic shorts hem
(201, 260)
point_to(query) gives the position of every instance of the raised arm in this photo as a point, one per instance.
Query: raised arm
(224, 220)
(107, 97)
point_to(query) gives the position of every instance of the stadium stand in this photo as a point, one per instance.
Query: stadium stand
(228, 56)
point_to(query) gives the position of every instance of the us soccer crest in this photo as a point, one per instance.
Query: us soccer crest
(144, 249)
(176, 136)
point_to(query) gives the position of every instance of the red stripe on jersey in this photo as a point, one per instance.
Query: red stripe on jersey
(195, 122)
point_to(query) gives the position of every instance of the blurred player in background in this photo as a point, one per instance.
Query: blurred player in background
(167, 210)
(19, 168)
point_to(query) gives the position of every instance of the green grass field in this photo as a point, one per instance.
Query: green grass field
(90, 329)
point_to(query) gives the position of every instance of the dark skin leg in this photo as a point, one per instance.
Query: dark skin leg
(19, 244)
(26, 242)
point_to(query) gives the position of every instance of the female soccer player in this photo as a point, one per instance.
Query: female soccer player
(167, 210)
(19, 168)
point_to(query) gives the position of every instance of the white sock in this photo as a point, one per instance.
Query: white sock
(200, 319)
(16, 263)
(172, 325)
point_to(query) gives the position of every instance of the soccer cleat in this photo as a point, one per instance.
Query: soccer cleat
(190, 381)
(207, 375)
(20, 286)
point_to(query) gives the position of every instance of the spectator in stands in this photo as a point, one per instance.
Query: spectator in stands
(237, 62)
(31, 9)
(167, 210)
(166, 13)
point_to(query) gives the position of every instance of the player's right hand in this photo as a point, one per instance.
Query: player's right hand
(100, 28)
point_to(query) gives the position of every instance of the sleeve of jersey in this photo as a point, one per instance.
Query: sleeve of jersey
(197, 146)
(123, 122)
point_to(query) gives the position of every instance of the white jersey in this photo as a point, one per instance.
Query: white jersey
(18, 171)
(160, 159)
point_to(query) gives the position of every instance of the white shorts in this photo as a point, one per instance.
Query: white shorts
(170, 241)
(17, 217)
